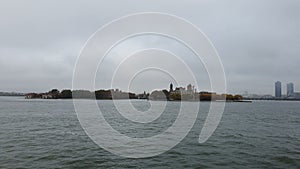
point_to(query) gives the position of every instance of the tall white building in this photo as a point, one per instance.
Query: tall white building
(278, 89)
(290, 90)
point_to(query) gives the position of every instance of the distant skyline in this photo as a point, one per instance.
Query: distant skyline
(258, 42)
(280, 90)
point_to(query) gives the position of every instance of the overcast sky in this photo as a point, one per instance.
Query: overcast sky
(258, 40)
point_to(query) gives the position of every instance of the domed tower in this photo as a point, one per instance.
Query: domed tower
(171, 87)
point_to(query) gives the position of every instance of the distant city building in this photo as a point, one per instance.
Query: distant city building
(278, 89)
(179, 90)
(296, 95)
(189, 87)
(246, 94)
(189, 90)
(181, 93)
(290, 90)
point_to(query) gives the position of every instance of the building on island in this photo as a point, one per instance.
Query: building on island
(171, 88)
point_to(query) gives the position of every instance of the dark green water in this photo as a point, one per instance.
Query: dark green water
(47, 134)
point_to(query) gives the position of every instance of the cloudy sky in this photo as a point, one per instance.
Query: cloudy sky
(258, 41)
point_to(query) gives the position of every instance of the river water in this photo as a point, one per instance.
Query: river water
(47, 134)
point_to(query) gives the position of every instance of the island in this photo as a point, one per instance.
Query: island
(178, 94)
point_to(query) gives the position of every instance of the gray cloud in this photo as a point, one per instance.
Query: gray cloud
(258, 41)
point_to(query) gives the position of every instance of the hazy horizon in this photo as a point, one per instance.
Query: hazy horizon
(257, 41)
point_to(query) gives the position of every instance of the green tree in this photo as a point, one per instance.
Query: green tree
(66, 94)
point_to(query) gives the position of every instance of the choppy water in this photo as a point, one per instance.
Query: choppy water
(47, 134)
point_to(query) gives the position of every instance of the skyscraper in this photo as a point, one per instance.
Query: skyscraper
(278, 89)
(289, 89)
